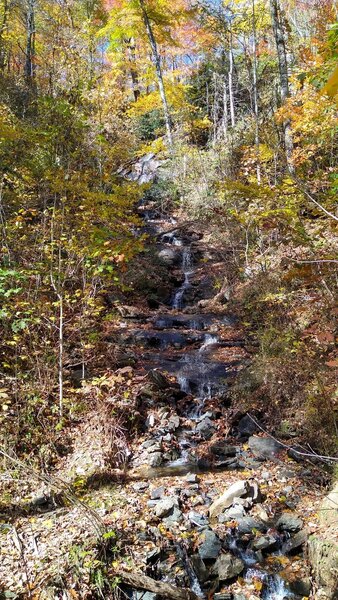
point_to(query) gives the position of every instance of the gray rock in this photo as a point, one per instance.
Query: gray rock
(142, 595)
(157, 493)
(295, 542)
(205, 428)
(165, 506)
(155, 459)
(210, 545)
(174, 517)
(228, 566)
(192, 478)
(300, 587)
(149, 443)
(232, 514)
(247, 524)
(174, 423)
(169, 256)
(141, 486)
(289, 522)
(264, 447)
(265, 542)
(247, 427)
(152, 503)
(240, 489)
(223, 449)
(197, 519)
(222, 596)
(199, 568)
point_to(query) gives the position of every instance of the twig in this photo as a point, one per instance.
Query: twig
(308, 195)
(307, 454)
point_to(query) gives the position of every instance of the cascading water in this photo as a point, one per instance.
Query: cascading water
(187, 271)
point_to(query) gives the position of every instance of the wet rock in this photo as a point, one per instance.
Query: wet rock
(263, 447)
(228, 566)
(165, 506)
(223, 449)
(157, 493)
(169, 256)
(205, 428)
(228, 463)
(142, 595)
(289, 522)
(295, 542)
(199, 568)
(265, 542)
(155, 459)
(248, 524)
(210, 545)
(222, 596)
(300, 587)
(158, 379)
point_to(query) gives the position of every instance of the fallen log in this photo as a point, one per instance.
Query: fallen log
(166, 590)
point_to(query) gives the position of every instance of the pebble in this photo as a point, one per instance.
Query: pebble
(157, 493)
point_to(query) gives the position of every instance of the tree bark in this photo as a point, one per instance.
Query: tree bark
(255, 92)
(283, 77)
(133, 69)
(158, 69)
(166, 590)
(231, 88)
(30, 45)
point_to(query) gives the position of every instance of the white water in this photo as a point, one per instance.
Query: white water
(187, 271)
(209, 340)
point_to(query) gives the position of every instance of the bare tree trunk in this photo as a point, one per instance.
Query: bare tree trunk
(30, 44)
(231, 88)
(255, 92)
(283, 77)
(225, 111)
(158, 69)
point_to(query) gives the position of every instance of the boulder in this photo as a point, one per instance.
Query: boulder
(240, 489)
(295, 542)
(210, 545)
(248, 524)
(228, 566)
(223, 449)
(175, 516)
(247, 427)
(264, 447)
(265, 542)
(289, 522)
(169, 256)
(205, 428)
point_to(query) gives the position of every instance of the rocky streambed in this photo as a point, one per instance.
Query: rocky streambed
(224, 510)
(210, 505)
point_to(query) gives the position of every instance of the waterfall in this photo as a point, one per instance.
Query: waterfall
(177, 302)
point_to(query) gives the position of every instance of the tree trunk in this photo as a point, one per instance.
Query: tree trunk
(133, 69)
(231, 88)
(30, 45)
(255, 92)
(283, 76)
(158, 69)
(225, 111)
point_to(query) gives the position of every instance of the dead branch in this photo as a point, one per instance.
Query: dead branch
(166, 590)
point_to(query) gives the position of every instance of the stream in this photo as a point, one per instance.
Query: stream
(202, 351)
